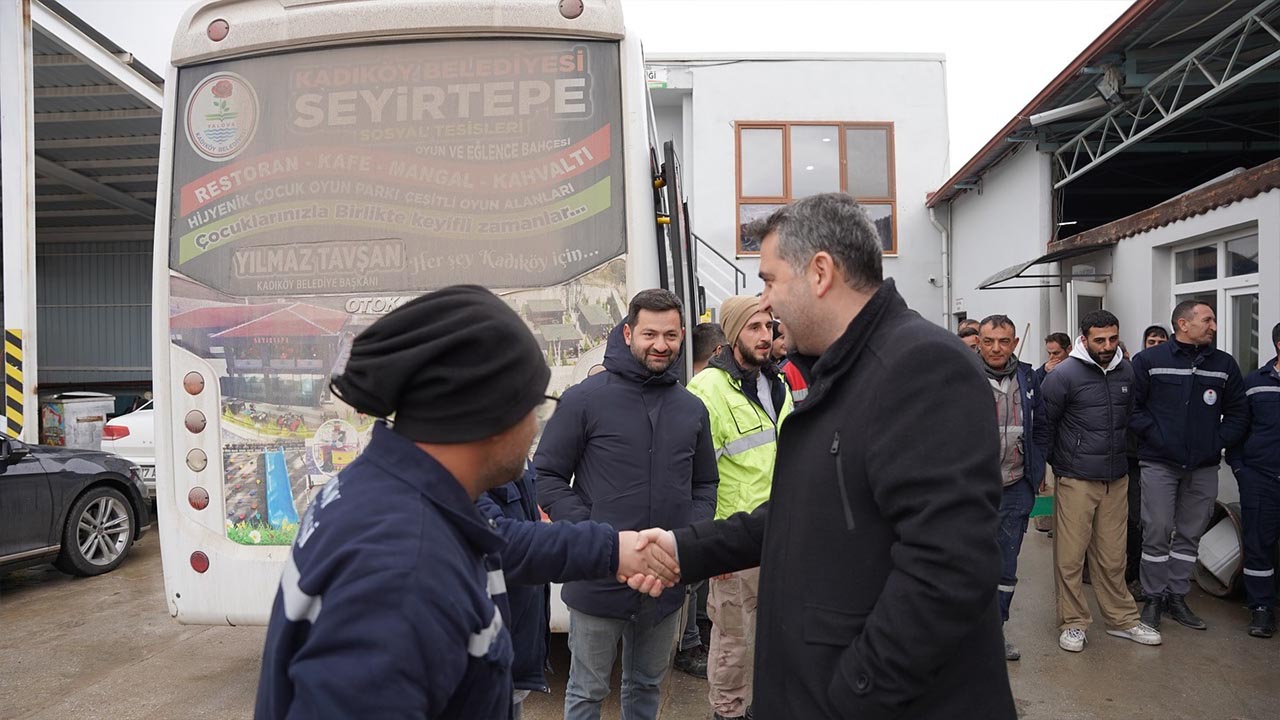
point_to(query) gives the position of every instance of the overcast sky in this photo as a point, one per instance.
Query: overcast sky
(1000, 53)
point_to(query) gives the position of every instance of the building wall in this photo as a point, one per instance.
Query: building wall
(93, 304)
(1005, 223)
(1140, 292)
(910, 92)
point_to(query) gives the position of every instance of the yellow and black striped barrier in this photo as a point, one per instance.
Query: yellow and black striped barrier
(13, 388)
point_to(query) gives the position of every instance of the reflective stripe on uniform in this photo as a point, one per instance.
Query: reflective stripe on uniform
(1183, 558)
(1262, 389)
(1187, 371)
(298, 605)
(1259, 573)
(1005, 588)
(497, 583)
(480, 642)
(798, 395)
(745, 443)
(1155, 558)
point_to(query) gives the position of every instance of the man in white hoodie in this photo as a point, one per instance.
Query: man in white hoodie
(1088, 399)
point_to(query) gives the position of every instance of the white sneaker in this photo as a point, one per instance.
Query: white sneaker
(1140, 633)
(1072, 640)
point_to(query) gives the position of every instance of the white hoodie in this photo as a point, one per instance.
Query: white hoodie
(1081, 352)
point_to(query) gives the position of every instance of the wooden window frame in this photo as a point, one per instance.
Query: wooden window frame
(785, 126)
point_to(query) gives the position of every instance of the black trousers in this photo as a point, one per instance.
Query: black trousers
(1133, 547)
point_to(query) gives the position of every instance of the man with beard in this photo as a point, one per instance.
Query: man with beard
(1088, 399)
(877, 552)
(1024, 440)
(637, 447)
(747, 400)
(1189, 404)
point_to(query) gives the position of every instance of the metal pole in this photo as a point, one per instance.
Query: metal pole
(17, 174)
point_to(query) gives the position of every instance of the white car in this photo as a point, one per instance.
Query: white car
(133, 437)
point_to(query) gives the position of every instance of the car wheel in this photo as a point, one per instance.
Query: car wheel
(98, 534)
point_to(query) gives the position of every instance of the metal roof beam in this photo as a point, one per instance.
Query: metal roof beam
(111, 163)
(107, 212)
(1166, 99)
(78, 91)
(71, 178)
(97, 115)
(110, 64)
(97, 142)
(64, 60)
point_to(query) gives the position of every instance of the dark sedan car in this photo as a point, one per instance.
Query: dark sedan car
(80, 509)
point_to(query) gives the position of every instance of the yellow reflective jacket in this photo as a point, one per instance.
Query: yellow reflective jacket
(745, 438)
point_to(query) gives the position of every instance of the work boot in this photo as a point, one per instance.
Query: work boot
(1176, 607)
(1010, 652)
(692, 661)
(1151, 611)
(1263, 624)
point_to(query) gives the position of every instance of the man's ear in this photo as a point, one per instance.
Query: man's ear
(626, 334)
(823, 273)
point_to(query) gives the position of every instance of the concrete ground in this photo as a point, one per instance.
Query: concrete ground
(106, 648)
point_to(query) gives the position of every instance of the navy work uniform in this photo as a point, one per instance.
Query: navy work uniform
(1256, 463)
(392, 604)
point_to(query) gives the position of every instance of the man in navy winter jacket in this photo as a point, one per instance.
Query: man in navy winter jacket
(638, 449)
(1256, 463)
(1189, 405)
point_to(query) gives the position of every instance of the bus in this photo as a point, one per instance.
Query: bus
(325, 161)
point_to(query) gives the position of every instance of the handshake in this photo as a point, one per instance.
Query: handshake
(647, 560)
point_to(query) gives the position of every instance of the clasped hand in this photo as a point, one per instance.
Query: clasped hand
(647, 560)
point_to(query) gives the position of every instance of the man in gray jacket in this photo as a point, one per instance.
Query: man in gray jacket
(1088, 399)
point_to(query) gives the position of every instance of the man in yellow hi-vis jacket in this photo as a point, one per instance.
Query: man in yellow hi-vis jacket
(747, 401)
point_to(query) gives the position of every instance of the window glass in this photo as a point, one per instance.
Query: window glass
(762, 162)
(815, 160)
(1244, 326)
(1242, 256)
(868, 167)
(746, 215)
(1197, 264)
(882, 217)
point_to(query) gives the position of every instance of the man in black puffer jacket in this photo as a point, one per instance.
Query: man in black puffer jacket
(1088, 399)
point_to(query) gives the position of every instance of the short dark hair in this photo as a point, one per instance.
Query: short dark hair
(653, 300)
(833, 223)
(997, 321)
(1157, 330)
(1184, 310)
(707, 337)
(1063, 340)
(1098, 319)
(1275, 334)
(965, 332)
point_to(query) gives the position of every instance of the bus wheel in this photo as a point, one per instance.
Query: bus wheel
(98, 533)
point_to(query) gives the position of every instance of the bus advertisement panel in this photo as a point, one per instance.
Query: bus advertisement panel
(316, 190)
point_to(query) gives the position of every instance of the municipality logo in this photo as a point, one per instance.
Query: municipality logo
(222, 115)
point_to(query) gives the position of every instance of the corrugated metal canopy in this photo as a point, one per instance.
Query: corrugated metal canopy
(97, 141)
(1146, 40)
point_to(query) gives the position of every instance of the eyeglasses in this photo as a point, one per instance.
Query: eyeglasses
(546, 408)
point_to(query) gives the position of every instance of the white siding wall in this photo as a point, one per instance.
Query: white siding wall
(909, 93)
(1006, 223)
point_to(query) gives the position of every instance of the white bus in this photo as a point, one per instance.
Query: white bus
(322, 162)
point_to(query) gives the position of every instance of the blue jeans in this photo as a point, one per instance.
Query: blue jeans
(691, 638)
(648, 643)
(1015, 511)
